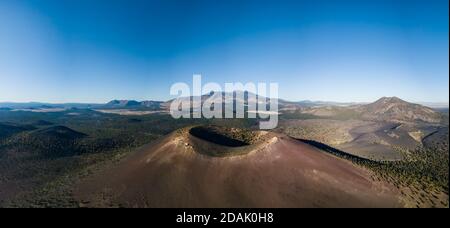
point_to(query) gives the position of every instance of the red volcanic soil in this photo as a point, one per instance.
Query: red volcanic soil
(277, 172)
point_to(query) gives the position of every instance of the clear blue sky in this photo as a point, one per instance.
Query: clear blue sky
(95, 51)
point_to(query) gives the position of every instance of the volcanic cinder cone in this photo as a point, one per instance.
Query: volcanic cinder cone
(203, 169)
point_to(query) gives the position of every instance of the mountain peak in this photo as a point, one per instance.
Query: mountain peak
(394, 108)
(390, 100)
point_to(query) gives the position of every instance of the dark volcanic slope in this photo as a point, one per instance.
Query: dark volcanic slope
(276, 171)
(7, 129)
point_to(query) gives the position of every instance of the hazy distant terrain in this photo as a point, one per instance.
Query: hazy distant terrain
(50, 154)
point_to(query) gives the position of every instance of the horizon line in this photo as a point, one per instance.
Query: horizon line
(446, 103)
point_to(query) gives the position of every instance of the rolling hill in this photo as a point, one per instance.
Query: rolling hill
(58, 133)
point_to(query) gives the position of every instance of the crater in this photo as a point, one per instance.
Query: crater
(224, 141)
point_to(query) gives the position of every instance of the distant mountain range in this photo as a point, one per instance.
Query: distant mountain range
(132, 104)
(39, 105)
(155, 105)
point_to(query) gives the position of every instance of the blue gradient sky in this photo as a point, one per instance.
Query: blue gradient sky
(95, 51)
